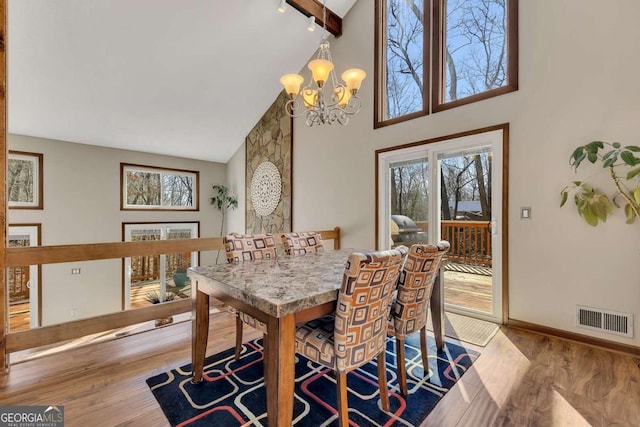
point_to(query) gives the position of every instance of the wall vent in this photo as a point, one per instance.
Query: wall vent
(607, 321)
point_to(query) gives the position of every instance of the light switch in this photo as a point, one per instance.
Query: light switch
(75, 271)
(525, 213)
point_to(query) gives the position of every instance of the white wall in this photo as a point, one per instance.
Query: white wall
(236, 182)
(82, 205)
(578, 83)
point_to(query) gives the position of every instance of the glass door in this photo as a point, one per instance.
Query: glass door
(23, 282)
(464, 208)
(153, 279)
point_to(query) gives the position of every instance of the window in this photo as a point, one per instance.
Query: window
(145, 187)
(473, 55)
(150, 279)
(23, 282)
(24, 180)
(403, 59)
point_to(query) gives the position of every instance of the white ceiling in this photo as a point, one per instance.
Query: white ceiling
(187, 78)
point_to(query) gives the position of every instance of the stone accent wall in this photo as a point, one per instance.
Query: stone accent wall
(271, 140)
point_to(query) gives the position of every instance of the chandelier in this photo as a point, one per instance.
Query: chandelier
(325, 100)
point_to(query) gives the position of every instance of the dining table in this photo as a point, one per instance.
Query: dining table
(282, 293)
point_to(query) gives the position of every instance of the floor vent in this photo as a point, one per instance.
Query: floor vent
(611, 322)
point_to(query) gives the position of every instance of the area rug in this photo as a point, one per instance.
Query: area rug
(467, 329)
(233, 393)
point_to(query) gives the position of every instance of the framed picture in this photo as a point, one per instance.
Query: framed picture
(24, 180)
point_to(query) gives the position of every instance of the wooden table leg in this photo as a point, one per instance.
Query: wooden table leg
(437, 309)
(199, 333)
(280, 360)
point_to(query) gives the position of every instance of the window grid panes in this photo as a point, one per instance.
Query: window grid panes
(404, 58)
(151, 188)
(473, 55)
(475, 45)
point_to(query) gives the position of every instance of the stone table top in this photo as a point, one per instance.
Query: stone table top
(280, 286)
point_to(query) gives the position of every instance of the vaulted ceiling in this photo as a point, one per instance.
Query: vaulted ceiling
(186, 78)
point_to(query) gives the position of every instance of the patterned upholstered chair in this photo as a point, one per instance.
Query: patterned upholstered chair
(409, 311)
(357, 332)
(243, 248)
(302, 243)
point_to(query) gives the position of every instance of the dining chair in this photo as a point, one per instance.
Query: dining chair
(356, 333)
(409, 311)
(243, 248)
(302, 243)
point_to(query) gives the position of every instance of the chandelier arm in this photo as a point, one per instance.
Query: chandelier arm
(353, 106)
(292, 106)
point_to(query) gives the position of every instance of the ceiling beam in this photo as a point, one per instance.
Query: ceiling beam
(314, 8)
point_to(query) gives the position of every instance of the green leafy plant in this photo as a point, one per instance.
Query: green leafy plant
(622, 164)
(224, 201)
(154, 297)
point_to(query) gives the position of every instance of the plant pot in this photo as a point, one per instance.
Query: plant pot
(164, 321)
(180, 278)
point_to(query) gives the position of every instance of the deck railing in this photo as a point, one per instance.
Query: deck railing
(470, 240)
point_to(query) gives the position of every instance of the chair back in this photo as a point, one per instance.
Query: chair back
(363, 305)
(409, 313)
(302, 243)
(249, 247)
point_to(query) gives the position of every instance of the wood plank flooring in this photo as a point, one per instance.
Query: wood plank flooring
(520, 379)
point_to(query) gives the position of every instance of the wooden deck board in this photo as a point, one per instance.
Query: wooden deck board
(467, 290)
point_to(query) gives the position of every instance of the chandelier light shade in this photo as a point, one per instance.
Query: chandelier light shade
(282, 8)
(292, 82)
(325, 100)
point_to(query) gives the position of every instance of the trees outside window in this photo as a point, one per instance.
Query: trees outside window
(405, 59)
(465, 187)
(146, 187)
(473, 55)
(24, 180)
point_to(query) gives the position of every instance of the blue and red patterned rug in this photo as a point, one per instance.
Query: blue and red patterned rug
(233, 392)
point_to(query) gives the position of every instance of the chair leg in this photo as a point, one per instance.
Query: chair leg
(239, 327)
(382, 381)
(343, 408)
(423, 350)
(402, 367)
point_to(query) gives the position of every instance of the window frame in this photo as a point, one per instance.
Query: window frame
(38, 180)
(438, 72)
(34, 230)
(162, 226)
(124, 206)
(380, 67)
(433, 63)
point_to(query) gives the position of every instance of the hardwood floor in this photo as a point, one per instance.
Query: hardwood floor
(520, 379)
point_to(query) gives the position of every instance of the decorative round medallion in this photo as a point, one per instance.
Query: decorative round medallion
(266, 187)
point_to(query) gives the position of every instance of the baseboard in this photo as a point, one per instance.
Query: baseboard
(571, 336)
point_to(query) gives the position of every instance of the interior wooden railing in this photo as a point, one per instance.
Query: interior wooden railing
(38, 255)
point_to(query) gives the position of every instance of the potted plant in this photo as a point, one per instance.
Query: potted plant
(180, 277)
(223, 201)
(623, 165)
(154, 298)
